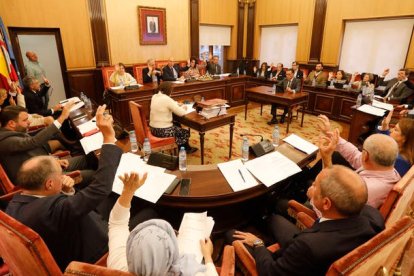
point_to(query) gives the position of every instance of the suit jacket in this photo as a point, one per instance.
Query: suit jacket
(68, 224)
(313, 250)
(213, 69)
(34, 101)
(259, 73)
(280, 77)
(320, 79)
(400, 93)
(17, 147)
(168, 73)
(148, 79)
(299, 74)
(295, 84)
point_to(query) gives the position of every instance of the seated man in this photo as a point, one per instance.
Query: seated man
(68, 224)
(289, 84)
(297, 73)
(340, 195)
(16, 146)
(150, 73)
(396, 89)
(213, 66)
(171, 72)
(317, 77)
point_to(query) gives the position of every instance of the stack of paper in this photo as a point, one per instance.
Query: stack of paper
(92, 142)
(272, 168)
(78, 103)
(211, 112)
(194, 227)
(190, 108)
(372, 110)
(382, 105)
(88, 126)
(155, 185)
(301, 144)
(237, 175)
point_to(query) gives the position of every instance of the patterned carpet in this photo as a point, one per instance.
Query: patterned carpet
(216, 145)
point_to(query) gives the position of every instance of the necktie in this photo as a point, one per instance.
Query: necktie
(216, 70)
(392, 89)
(288, 84)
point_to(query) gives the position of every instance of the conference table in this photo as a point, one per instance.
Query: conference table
(263, 94)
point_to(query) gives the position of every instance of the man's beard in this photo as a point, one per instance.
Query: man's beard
(21, 129)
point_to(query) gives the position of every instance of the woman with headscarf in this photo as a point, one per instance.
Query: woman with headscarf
(151, 248)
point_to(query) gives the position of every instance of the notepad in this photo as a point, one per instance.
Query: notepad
(88, 126)
(300, 143)
(237, 175)
(92, 142)
(372, 110)
(382, 105)
(78, 103)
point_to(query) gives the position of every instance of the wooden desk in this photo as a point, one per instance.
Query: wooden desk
(199, 123)
(362, 126)
(264, 94)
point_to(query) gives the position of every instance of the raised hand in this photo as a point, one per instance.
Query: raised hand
(207, 250)
(104, 122)
(131, 182)
(385, 124)
(323, 124)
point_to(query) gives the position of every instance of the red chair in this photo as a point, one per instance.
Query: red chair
(142, 131)
(137, 70)
(7, 187)
(106, 73)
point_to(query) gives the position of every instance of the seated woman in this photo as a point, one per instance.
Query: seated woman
(121, 78)
(263, 72)
(403, 134)
(339, 78)
(365, 82)
(192, 71)
(151, 248)
(161, 119)
(279, 74)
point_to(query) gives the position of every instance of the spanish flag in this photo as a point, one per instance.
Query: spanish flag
(7, 72)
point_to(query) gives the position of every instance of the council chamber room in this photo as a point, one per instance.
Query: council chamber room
(195, 137)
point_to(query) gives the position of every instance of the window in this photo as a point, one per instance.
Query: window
(371, 46)
(217, 37)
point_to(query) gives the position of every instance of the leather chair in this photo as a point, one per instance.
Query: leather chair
(106, 73)
(142, 131)
(382, 251)
(394, 207)
(8, 189)
(137, 70)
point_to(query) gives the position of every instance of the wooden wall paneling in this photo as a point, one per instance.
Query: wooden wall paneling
(250, 31)
(324, 104)
(345, 110)
(240, 30)
(98, 26)
(88, 81)
(317, 31)
(194, 28)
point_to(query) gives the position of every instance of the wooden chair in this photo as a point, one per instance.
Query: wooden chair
(8, 189)
(142, 131)
(106, 73)
(382, 251)
(137, 70)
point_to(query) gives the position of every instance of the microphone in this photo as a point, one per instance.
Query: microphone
(256, 135)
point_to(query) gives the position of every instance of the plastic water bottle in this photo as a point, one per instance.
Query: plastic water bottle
(244, 71)
(133, 141)
(147, 149)
(359, 100)
(182, 158)
(238, 71)
(202, 99)
(275, 136)
(245, 149)
(274, 89)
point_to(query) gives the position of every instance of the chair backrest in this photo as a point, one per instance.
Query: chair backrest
(382, 251)
(106, 73)
(402, 197)
(140, 123)
(137, 70)
(6, 185)
(23, 250)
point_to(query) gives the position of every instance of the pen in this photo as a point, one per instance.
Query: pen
(242, 176)
(64, 101)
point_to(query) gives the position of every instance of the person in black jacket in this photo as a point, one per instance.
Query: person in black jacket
(151, 73)
(297, 73)
(171, 72)
(346, 222)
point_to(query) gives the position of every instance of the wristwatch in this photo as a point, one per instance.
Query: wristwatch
(258, 243)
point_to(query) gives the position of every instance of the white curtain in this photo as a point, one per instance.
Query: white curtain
(278, 44)
(371, 46)
(215, 35)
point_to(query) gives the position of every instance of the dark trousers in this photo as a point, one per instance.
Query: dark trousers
(273, 110)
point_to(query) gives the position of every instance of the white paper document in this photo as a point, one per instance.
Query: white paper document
(382, 105)
(372, 110)
(155, 185)
(300, 143)
(272, 168)
(194, 227)
(88, 126)
(189, 108)
(237, 175)
(92, 142)
(78, 103)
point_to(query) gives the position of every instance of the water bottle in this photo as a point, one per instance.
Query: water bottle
(202, 99)
(147, 149)
(88, 104)
(275, 136)
(332, 83)
(245, 149)
(274, 89)
(244, 71)
(133, 141)
(182, 158)
(238, 71)
(359, 100)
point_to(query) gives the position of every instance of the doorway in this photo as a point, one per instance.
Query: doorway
(47, 44)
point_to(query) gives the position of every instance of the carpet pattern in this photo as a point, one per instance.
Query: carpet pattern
(216, 141)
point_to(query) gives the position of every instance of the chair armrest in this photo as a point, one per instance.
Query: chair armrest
(61, 154)
(246, 259)
(9, 196)
(229, 260)
(295, 207)
(303, 221)
(102, 261)
(79, 268)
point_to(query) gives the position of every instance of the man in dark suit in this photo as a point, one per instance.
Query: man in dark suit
(68, 224)
(297, 73)
(171, 72)
(151, 73)
(213, 66)
(279, 74)
(396, 89)
(289, 84)
(340, 195)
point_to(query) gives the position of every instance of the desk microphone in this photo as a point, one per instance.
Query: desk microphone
(256, 135)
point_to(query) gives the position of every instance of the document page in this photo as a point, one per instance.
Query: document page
(92, 142)
(78, 103)
(272, 168)
(382, 105)
(300, 143)
(88, 126)
(194, 227)
(155, 185)
(372, 110)
(237, 175)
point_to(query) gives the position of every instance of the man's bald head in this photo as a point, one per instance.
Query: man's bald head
(382, 150)
(31, 55)
(35, 171)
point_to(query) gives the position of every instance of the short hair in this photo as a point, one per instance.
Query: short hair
(215, 56)
(406, 71)
(319, 63)
(28, 80)
(407, 130)
(346, 190)
(382, 149)
(370, 75)
(289, 69)
(150, 60)
(32, 177)
(10, 113)
(166, 88)
(121, 64)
